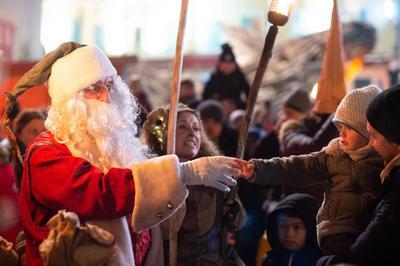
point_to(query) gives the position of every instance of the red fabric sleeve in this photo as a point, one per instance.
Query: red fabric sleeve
(62, 181)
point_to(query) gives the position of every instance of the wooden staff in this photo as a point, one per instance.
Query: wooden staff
(255, 87)
(278, 15)
(251, 101)
(175, 90)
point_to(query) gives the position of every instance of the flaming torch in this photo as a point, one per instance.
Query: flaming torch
(278, 15)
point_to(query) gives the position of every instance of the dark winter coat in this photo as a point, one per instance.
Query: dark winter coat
(227, 141)
(221, 86)
(353, 184)
(305, 207)
(200, 236)
(308, 135)
(379, 243)
(268, 147)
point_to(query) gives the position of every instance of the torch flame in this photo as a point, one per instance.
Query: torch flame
(354, 66)
(281, 6)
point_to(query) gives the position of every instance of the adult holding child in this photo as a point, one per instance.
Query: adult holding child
(378, 243)
(349, 164)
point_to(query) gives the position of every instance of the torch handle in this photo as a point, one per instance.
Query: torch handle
(255, 87)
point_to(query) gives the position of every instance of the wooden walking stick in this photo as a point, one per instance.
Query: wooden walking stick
(278, 15)
(175, 89)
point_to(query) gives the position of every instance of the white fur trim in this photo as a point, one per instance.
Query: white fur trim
(159, 191)
(78, 70)
(287, 125)
(389, 166)
(334, 148)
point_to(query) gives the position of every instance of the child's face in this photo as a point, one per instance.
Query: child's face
(350, 139)
(292, 232)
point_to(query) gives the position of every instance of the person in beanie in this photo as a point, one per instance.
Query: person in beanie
(304, 130)
(349, 164)
(378, 243)
(227, 81)
(216, 127)
(90, 161)
(296, 105)
(291, 232)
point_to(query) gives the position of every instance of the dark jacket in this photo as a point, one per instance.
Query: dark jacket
(221, 86)
(268, 147)
(353, 184)
(302, 137)
(228, 140)
(379, 243)
(304, 207)
(309, 135)
(201, 235)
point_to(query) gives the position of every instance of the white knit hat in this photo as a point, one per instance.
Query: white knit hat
(78, 70)
(352, 109)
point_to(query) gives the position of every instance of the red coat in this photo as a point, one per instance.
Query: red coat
(53, 179)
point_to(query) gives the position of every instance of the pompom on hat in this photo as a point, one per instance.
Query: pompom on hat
(383, 114)
(351, 111)
(227, 54)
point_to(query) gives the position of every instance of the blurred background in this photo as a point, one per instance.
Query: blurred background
(140, 37)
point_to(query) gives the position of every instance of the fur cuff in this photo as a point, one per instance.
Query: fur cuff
(286, 126)
(159, 191)
(334, 148)
(389, 166)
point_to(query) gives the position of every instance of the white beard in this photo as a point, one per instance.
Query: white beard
(116, 142)
(105, 135)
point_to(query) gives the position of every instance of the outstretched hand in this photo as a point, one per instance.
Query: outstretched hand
(245, 167)
(214, 171)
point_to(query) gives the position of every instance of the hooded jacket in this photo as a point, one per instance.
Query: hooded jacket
(305, 207)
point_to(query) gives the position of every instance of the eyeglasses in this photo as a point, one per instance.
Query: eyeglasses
(102, 85)
(100, 90)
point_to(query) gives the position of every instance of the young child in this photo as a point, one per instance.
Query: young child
(348, 162)
(291, 232)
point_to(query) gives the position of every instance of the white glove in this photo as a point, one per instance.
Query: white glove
(214, 171)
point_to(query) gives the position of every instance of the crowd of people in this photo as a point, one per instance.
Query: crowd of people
(97, 187)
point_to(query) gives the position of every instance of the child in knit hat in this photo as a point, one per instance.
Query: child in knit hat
(350, 165)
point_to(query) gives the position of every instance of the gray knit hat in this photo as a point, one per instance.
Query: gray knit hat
(352, 109)
(298, 100)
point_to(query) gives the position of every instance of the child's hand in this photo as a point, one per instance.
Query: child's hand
(246, 167)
